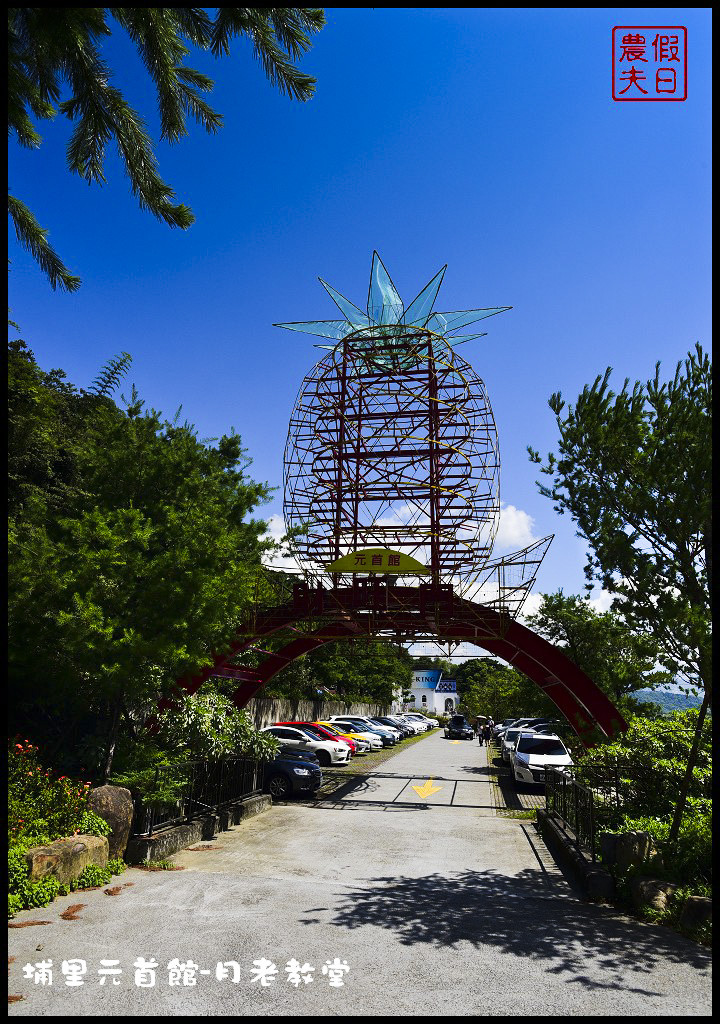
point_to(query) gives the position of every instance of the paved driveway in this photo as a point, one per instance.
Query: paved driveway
(436, 906)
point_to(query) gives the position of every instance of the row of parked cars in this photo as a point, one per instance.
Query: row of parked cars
(530, 746)
(307, 747)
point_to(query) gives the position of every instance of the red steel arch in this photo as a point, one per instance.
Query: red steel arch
(317, 617)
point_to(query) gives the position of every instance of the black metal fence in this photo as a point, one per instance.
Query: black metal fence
(574, 805)
(194, 789)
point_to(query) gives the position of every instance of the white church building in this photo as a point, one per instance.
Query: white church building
(430, 692)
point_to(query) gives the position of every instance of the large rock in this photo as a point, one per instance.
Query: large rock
(66, 859)
(115, 805)
(696, 911)
(652, 892)
(621, 849)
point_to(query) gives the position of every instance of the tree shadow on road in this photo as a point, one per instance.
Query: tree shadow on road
(518, 915)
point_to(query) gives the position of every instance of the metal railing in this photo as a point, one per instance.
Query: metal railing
(194, 789)
(574, 805)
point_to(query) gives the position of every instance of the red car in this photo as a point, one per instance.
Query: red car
(323, 733)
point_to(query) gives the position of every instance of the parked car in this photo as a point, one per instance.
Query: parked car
(458, 728)
(324, 733)
(502, 726)
(533, 753)
(327, 751)
(549, 727)
(372, 738)
(292, 773)
(404, 726)
(362, 725)
(384, 730)
(429, 723)
(412, 723)
(361, 746)
(394, 723)
(395, 729)
(523, 723)
(508, 741)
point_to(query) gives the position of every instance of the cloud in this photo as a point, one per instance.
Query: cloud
(276, 530)
(601, 603)
(531, 606)
(515, 530)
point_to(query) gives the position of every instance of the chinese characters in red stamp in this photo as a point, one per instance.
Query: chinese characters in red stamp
(649, 62)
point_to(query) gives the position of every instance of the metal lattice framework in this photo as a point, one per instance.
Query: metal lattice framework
(404, 460)
(392, 447)
(392, 476)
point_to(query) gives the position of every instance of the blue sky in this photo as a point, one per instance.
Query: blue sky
(485, 139)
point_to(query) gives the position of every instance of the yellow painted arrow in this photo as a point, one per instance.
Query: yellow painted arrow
(427, 789)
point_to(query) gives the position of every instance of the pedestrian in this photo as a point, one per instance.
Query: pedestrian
(480, 732)
(488, 733)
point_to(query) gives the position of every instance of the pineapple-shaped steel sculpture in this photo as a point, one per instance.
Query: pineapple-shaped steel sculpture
(391, 463)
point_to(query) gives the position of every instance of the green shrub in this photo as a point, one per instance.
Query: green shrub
(43, 808)
(40, 806)
(91, 824)
(25, 894)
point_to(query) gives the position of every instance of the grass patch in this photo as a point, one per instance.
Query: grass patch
(159, 865)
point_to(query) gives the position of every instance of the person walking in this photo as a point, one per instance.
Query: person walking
(487, 732)
(480, 732)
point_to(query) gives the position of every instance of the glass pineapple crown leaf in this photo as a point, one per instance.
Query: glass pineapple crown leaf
(386, 308)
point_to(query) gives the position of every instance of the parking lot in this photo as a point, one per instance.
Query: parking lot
(436, 906)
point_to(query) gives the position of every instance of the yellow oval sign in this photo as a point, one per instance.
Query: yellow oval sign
(379, 560)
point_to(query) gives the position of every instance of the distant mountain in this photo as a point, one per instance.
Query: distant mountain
(668, 700)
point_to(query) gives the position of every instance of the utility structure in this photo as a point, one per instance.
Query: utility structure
(391, 476)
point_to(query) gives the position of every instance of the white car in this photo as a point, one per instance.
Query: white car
(533, 753)
(326, 751)
(412, 723)
(414, 727)
(429, 723)
(507, 741)
(386, 731)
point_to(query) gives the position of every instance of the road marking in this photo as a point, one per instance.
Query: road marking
(427, 789)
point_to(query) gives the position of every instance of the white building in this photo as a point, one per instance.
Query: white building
(430, 692)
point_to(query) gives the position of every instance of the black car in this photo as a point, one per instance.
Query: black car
(292, 771)
(458, 728)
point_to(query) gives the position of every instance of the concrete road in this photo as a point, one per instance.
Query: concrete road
(436, 906)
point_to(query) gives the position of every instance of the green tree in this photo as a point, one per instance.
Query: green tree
(356, 671)
(486, 687)
(617, 659)
(133, 556)
(56, 51)
(634, 473)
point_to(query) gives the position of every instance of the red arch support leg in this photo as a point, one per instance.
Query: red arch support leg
(346, 612)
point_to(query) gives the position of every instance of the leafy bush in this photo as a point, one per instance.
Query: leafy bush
(91, 824)
(207, 725)
(25, 894)
(649, 761)
(41, 807)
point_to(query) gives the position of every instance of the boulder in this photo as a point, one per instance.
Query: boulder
(696, 911)
(66, 859)
(622, 849)
(599, 885)
(115, 805)
(652, 892)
